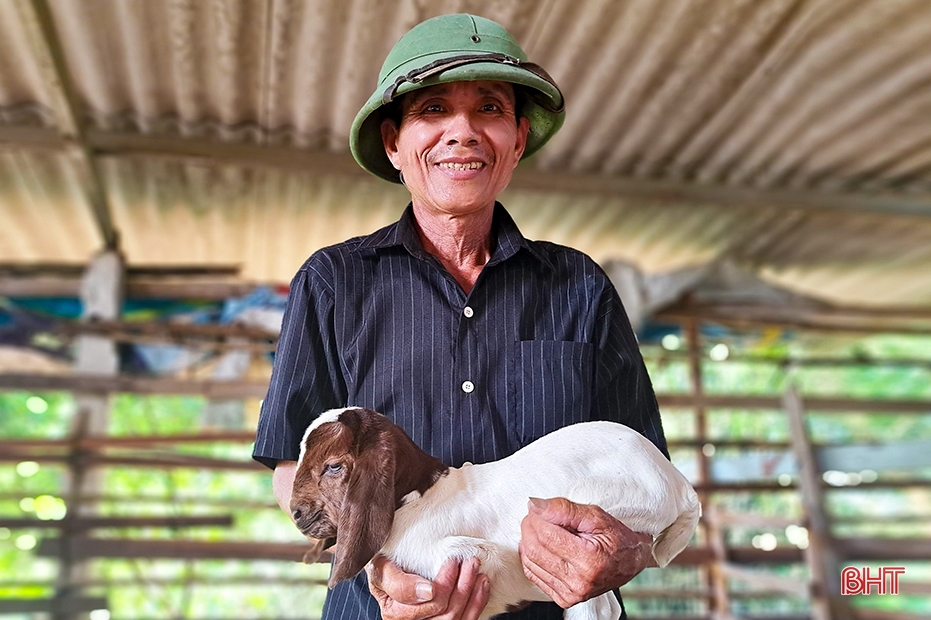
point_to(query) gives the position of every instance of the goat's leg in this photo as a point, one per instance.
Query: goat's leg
(464, 547)
(603, 607)
(510, 589)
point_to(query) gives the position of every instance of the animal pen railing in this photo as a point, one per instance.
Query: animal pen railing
(722, 578)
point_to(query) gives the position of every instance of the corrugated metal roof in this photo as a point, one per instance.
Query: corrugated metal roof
(43, 210)
(817, 97)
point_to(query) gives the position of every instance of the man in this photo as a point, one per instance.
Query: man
(474, 339)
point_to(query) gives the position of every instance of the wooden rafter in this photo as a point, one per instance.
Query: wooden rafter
(43, 42)
(108, 144)
(828, 319)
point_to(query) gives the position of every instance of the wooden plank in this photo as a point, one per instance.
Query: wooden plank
(715, 579)
(66, 605)
(779, 555)
(136, 288)
(127, 329)
(914, 587)
(767, 581)
(746, 519)
(87, 523)
(857, 549)
(820, 555)
(838, 321)
(912, 455)
(156, 460)
(631, 593)
(75, 271)
(135, 385)
(326, 163)
(654, 353)
(130, 441)
(87, 547)
(813, 404)
(524, 179)
(17, 138)
(771, 487)
(124, 499)
(878, 614)
(184, 579)
(223, 338)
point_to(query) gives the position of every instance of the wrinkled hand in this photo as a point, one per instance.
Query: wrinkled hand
(574, 552)
(459, 591)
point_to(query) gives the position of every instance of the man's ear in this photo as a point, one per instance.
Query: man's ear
(523, 130)
(389, 138)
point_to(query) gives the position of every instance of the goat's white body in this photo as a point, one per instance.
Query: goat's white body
(476, 510)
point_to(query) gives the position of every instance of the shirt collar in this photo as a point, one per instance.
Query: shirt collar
(508, 239)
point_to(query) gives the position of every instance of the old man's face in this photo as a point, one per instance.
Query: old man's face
(457, 145)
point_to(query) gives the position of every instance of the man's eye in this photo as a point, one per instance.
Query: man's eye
(333, 468)
(433, 107)
(491, 107)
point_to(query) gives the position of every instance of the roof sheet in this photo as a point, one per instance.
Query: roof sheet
(809, 96)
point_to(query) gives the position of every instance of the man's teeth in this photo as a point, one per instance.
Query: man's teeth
(472, 165)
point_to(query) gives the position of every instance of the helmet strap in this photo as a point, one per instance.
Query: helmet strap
(415, 76)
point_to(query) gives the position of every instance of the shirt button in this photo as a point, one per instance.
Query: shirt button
(468, 312)
(468, 387)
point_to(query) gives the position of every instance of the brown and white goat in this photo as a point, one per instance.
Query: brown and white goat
(360, 478)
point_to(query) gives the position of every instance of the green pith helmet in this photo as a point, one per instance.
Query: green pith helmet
(454, 48)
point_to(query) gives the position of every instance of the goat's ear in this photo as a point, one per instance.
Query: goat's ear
(368, 511)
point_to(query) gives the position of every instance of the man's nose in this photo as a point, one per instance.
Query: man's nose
(462, 129)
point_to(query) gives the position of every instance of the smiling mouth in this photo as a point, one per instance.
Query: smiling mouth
(451, 165)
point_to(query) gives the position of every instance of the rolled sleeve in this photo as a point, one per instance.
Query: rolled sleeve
(306, 377)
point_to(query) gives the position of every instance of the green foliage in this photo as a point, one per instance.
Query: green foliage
(17, 421)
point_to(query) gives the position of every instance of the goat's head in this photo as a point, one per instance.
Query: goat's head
(348, 485)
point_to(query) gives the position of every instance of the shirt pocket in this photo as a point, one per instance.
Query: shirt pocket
(550, 386)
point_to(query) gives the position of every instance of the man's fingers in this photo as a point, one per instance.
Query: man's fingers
(556, 510)
(568, 515)
(462, 590)
(459, 591)
(448, 575)
(480, 595)
(401, 587)
(541, 566)
(554, 537)
(551, 547)
(550, 556)
(543, 580)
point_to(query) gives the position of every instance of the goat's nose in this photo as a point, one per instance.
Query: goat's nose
(297, 514)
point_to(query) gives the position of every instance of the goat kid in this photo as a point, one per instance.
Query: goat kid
(360, 478)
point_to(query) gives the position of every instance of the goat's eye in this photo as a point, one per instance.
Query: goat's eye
(333, 468)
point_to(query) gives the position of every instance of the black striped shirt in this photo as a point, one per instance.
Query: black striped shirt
(541, 341)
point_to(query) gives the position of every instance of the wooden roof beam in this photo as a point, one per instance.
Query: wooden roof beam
(43, 41)
(526, 178)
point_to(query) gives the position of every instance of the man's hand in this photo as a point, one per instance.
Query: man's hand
(574, 552)
(459, 592)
